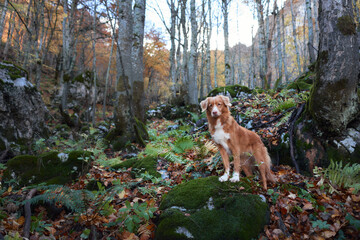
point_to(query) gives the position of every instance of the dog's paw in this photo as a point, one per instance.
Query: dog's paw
(224, 178)
(235, 178)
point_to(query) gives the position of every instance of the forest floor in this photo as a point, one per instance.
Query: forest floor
(124, 203)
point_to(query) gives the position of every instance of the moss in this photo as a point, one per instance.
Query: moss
(141, 132)
(147, 164)
(233, 90)
(47, 168)
(14, 71)
(346, 25)
(209, 209)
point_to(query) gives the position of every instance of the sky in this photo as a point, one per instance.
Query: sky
(241, 21)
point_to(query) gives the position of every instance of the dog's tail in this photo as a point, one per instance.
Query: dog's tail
(269, 175)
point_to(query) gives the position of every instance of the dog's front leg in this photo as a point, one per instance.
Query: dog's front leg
(237, 168)
(225, 158)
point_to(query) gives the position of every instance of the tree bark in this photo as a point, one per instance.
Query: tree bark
(107, 76)
(310, 43)
(94, 68)
(2, 19)
(293, 22)
(172, 74)
(193, 63)
(208, 55)
(334, 100)
(224, 7)
(262, 51)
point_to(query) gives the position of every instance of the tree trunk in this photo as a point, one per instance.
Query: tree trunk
(107, 75)
(172, 74)
(262, 52)
(137, 57)
(208, 56)
(185, 70)
(333, 102)
(310, 43)
(2, 19)
(224, 7)
(279, 48)
(193, 63)
(284, 47)
(293, 22)
(38, 52)
(10, 35)
(94, 68)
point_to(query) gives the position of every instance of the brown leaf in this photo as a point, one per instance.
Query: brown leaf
(308, 206)
(328, 234)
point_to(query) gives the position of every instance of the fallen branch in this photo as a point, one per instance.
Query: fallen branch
(293, 118)
(282, 225)
(262, 125)
(27, 208)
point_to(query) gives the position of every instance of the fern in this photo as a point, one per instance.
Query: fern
(347, 176)
(182, 144)
(172, 157)
(63, 195)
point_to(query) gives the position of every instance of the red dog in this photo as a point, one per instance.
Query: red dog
(231, 138)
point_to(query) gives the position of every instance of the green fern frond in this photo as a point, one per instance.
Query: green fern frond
(182, 144)
(69, 198)
(172, 157)
(347, 176)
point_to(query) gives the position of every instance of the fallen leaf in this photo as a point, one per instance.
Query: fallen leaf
(308, 206)
(328, 234)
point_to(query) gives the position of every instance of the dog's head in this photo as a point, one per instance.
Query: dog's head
(216, 105)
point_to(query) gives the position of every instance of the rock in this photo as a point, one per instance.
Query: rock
(22, 110)
(234, 91)
(50, 168)
(208, 209)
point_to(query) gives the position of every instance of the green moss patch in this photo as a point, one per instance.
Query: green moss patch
(14, 71)
(208, 209)
(49, 168)
(147, 164)
(346, 25)
(233, 90)
(303, 83)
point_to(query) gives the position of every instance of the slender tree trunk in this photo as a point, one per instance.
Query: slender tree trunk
(38, 58)
(293, 22)
(262, 52)
(94, 68)
(2, 19)
(215, 55)
(192, 85)
(279, 48)
(284, 47)
(310, 44)
(252, 62)
(107, 76)
(224, 7)
(208, 55)
(9, 35)
(185, 69)
(172, 74)
(334, 100)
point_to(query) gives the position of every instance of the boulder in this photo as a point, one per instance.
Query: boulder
(22, 110)
(50, 168)
(208, 209)
(233, 91)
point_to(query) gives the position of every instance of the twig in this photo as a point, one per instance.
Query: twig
(294, 117)
(27, 208)
(282, 225)
(273, 120)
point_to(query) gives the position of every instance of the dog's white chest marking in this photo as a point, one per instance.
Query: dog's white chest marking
(221, 137)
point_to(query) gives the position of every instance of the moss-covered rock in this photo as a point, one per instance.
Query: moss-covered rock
(233, 91)
(49, 168)
(208, 209)
(303, 83)
(147, 164)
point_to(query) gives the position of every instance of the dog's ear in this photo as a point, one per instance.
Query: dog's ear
(204, 105)
(226, 101)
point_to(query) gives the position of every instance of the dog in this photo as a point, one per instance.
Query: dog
(245, 145)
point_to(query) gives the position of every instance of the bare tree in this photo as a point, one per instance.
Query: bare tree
(2, 18)
(293, 22)
(94, 67)
(225, 11)
(310, 43)
(193, 63)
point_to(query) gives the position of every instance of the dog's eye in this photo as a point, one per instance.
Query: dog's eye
(219, 104)
(210, 105)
